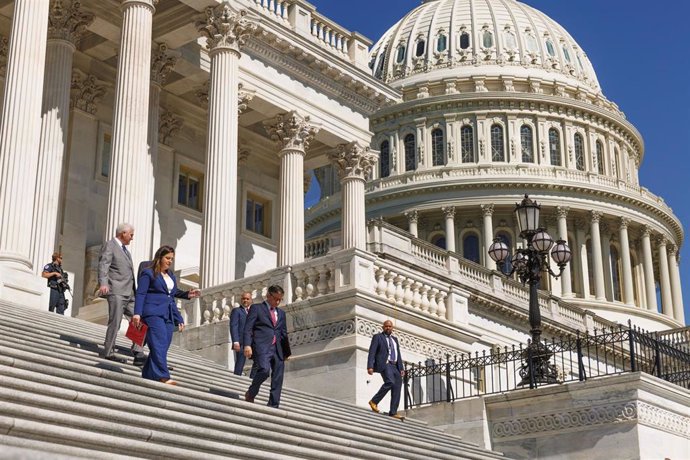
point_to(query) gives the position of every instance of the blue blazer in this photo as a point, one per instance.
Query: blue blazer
(259, 330)
(378, 353)
(238, 318)
(154, 299)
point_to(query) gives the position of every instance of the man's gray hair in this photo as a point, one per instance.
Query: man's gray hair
(123, 227)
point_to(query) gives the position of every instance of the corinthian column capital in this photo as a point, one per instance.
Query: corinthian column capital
(87, 92)
(448, 211)
(562, 211)
(163, 61)
(169, 126)
(487, 209)
(353, 161)
(624, 222)
(244, 97)
(412, 216)
(68, 23)
(292, 131)
(596, 216)
(225, 28)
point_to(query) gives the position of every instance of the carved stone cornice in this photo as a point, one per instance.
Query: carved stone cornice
(87, 92)
(169, 126)
(487, 210)
(163, 61)
(291, 131)
(68, 23)
(225, 28)
(353, 161)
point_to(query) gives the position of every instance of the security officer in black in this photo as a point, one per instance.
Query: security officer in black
(57, 282)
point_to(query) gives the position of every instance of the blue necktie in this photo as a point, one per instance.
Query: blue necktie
(124, 248)
(391, 345)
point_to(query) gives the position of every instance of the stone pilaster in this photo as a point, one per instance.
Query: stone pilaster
(487, 215)
(65, 28)
(130, 172)
(597, 262)
(293, 134)
(664, 278)
(20, 127)
(676, 289)
(566, 280)
(412, 220)
(449, 215)
(354, 164)
(628, 294)
(648, 265)
(226, 31)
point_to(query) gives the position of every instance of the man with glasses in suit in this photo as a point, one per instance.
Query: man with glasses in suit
(384, 358)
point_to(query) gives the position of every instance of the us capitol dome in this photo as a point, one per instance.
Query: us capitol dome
(498, 100)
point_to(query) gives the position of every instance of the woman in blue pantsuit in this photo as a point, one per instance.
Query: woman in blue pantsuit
(155, 305)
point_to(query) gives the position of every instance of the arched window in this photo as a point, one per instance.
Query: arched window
(439, 241)
(526, 141)
(509, 38)
(410, 153)
(616, 273)
(464, 40)
(498, 152)
(437, 150)
(549, 48)
(532, 45)
(400, 57)
(421, 48)
(487, 39)
(600, 157)
(467, 144)
(379, 67)
(615, 162)
(384, 161)
(441, 43)
(566, 54)
(470, 247)
(555, 147)
(579, 152)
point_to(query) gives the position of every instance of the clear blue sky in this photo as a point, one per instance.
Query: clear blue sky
(641, 53)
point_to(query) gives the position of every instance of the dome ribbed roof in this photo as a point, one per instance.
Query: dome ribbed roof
(443, 39)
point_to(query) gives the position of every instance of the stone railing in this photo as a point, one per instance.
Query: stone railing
(301, 17)
(410, 289)
(322, 245)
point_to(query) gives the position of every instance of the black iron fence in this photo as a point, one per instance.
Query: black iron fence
(577, 358)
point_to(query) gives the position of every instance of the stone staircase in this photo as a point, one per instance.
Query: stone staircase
(59, 399)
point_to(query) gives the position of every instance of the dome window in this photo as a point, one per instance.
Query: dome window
(400, 56)
(579, 61)
(555, 147)
(467, 144)
(526, 142)
(498, 152)
(600, 157)
(437, 151)
(470, 247)
(420, 49)
(549, 48)
(532, 45)
(487, 39)
(379, 67)
(464, 40)
(441, 43)
(384, 162)
(511, 42)
(410, 153)
(579, 152)
(566, 54)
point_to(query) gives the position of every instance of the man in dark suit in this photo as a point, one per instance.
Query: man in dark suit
(238, 318)
(384, 358)
(266, 331)
(116, 284)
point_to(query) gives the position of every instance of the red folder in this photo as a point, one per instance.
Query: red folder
(137, 335)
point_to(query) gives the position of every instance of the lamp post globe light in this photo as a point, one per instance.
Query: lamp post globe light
(529, 263)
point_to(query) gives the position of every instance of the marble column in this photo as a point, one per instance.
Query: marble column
(162, 63)
(487, 213)
(294, 133)
(65, 28)
(676, 290)
(354, 164)
(597, 262)
(664, 279)
(130, 171)
(626, 264)
(581, 280)
(412, 220)
(606, 259)
(566, 280)
(449, 214)
(20, 128)
(226, 31)
(648, 264)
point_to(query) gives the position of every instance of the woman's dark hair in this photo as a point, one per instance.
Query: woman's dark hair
(156, 262)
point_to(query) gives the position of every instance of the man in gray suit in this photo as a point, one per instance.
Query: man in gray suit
(116, 283)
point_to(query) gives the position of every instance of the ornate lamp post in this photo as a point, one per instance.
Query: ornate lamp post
(528, 264)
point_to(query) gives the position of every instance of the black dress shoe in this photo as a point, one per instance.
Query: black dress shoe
(115, 359)
(248, 398)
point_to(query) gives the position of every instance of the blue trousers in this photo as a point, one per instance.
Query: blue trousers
(57, 301)
(265, 365)
(392, 381)
(239, 361)
(158, 338)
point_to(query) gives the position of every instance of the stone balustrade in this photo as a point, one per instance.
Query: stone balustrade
(322, 245)
(277, 9)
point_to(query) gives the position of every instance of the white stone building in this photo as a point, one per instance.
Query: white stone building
(201, 123)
